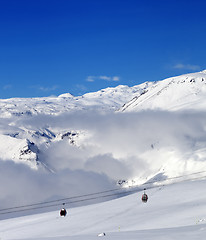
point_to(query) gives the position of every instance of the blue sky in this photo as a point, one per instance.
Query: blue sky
(50, 47)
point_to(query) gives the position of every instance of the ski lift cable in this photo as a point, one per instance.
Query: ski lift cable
(54, 205)
(121, 191)
(81, 200)
(76, 201)
(62, 199)
(91, 194)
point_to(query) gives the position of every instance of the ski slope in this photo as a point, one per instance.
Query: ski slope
(176, 211)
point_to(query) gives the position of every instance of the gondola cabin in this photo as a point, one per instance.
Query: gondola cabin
(144, 198)
(63, 212)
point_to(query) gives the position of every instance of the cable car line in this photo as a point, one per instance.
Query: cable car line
(57, 204)
(62, 199)
(80, 196)
(84, 197)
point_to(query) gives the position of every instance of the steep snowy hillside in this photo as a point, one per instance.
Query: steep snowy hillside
(172, 212)
(19, 150)
(184, 92)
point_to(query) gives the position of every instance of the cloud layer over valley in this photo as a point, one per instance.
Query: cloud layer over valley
(61, 147)
(107, 148)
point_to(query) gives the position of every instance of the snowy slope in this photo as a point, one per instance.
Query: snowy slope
(84, 144)
(108, 99)
(184, 92)
(18, 150)
(172, 212)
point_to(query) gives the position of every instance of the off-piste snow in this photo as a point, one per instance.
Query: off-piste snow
(62, 150)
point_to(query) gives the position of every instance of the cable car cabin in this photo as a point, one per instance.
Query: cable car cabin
(144, 198)
(63, 212)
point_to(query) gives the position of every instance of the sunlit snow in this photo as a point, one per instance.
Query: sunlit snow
(58, 147)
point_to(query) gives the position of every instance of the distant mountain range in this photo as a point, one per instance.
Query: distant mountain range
(109, 99)
(25, 143)
(183, 92)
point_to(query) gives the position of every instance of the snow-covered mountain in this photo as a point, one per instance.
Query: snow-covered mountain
(108, 99)
(103, 138)
(19, 150)
(21, 143)
(184, 92)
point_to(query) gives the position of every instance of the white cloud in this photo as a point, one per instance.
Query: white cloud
(116, 79)
(121, 146)
(22, 185)
(186, 66)
(90, 79)
(103, 77)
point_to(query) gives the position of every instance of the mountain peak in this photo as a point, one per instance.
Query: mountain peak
(66, 95)
(184, 92)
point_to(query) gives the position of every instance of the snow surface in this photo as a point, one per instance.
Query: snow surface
(55, 147)
(176, 211)
(177, 93)
(108, 99)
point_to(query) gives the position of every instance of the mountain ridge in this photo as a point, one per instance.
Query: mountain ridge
(148, 95)
(183, 92)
